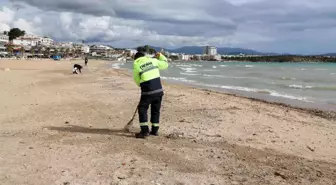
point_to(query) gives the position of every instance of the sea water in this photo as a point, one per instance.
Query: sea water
(302, 84)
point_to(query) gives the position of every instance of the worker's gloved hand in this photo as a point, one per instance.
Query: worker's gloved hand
(157, 55)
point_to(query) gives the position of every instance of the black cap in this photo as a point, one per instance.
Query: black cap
(141, 49)
(138, 55)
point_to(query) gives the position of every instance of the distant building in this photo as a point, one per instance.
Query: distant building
(25, 41)
(100, 50)
(69, 45)
(32, 40)
(184, 57)
(4, 38)
(197, 57)
(45, 41)
(85, 49)
(2, 47)
(131, 52)
(210, 50)
(216, 57)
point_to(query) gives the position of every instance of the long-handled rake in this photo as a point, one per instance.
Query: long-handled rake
(130, 122)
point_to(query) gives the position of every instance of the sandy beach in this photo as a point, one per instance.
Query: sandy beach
(65, 129)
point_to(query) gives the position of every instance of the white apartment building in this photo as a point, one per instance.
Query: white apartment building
(45, 41)
(25, 41)
(210, 50)
(65, 44)
(132, 51)
(184, 57)
(32, 40)
(2, 47)
(4, 38)
(100, 50)
(85, 49)
(197, 57)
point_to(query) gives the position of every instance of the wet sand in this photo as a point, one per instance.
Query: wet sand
(59, 128)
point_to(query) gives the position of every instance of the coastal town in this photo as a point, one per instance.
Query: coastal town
(33, 46)
(24, 46)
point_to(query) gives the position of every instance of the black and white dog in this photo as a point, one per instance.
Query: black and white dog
(77, 69)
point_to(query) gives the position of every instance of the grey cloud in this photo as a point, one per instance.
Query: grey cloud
(250, 24)
(80, 6)
(179, 16)
(218, 14)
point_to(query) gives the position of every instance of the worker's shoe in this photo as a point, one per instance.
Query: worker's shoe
(154, 131)
(143, 133)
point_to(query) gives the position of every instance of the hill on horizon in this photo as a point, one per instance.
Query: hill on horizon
(329, 54)
(193, 50)
(221, 50)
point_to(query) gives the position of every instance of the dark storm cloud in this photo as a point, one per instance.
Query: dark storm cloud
(177, 16)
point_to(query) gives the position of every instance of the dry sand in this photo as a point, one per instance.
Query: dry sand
(59, 128)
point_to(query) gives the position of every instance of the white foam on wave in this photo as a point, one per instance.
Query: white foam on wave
(300, 86)
(181, 79)
(183, 65)
(196, 65)
(189, 69)
(249, 66)
(301, 69)
(223, 65)
(240, 88)
(190, 74)
(210, 70)
(287, 78)
(230, 77)
(117, 65)
(189, 65)
(214, 67)
(267, 91)
(289, 96)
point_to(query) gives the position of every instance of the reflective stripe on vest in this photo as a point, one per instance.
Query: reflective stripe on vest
(152, 92)
(148, 69)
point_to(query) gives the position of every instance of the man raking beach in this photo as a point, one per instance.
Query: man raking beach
(146, 72)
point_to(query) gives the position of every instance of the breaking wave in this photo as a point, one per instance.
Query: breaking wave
(263, 91)
(117, 65)
(300, 86)
(190, 74)
(189, 69)
(181, 79)
(287, 78)
(230, 77)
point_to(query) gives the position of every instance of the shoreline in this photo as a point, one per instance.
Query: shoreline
(327, 114)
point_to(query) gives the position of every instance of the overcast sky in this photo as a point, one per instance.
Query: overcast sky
(294, 26)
